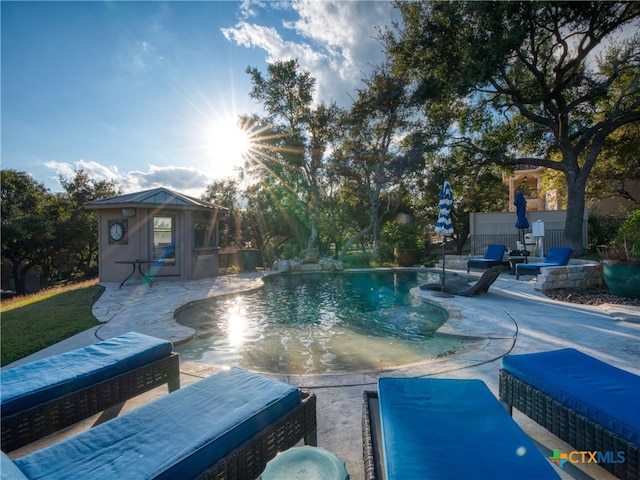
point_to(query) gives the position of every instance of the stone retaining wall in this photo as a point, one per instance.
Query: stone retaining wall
(579, 273)
(569, 276)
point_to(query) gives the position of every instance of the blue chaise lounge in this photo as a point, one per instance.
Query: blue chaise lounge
(556, 257)
(492, 257)
(226, 426)
(42, 397)
(591, 405)
(444, 428)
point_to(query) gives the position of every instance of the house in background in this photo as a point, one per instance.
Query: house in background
(174, 234)
(528, 180)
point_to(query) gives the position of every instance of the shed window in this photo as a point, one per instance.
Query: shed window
(164, 250)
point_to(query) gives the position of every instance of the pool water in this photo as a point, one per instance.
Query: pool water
(320, 323)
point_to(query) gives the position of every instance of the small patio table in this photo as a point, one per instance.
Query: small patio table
(513, 261)
(136, 264)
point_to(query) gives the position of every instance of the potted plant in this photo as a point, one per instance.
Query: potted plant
(404, 239)
(621, 266)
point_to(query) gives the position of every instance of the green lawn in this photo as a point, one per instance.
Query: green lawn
(30, 323)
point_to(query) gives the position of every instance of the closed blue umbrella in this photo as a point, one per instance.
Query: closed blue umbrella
(444, 226)
(521, 214)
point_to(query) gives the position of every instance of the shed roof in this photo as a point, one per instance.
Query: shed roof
(151, 198)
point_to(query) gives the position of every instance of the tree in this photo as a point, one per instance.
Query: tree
(27, 224)
(78, 234)
(225, 193)
(296, 138)
(50, 231)
(477, 187)
(370, 155)
(524, 82)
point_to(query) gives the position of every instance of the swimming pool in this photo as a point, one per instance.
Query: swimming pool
(317, 323)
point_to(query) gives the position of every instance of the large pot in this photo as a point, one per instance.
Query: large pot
(622, 278)
(406, 257)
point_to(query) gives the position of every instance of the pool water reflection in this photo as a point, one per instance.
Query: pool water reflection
(320, 323)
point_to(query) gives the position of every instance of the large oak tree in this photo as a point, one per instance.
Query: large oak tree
(535, 83)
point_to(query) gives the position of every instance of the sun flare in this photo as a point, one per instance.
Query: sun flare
(229, 144)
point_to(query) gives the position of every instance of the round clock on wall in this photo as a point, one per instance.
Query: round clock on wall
(117, 231)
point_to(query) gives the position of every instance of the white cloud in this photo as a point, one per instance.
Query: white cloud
(335, 41)
(95, 170)
(183, 179)
(187, 180)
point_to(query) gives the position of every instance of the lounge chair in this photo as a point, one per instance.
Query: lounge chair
(591, 405)
(42, 397)
(226, 426)
(444, 428)
(556, 257)
(459, 286)
(492, 257)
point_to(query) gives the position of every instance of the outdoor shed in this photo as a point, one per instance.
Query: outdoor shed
(168, 234)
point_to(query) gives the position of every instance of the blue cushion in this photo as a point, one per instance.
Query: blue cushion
(176, 436)
(558, 256)
(8, 470)
(607, 395)
(441, 428)
(495, 252)
(485, 262)
(38, 382)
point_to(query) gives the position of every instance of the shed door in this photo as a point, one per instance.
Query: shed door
(163, 236)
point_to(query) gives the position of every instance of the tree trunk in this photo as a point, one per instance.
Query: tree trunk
(574, 223)
(353, 240)
(19, 280)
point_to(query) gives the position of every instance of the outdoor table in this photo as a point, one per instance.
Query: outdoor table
(136, 264)
(305, 463)
(513, 261)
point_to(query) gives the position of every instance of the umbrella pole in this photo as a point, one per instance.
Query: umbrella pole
(442, 292)
(444, 254)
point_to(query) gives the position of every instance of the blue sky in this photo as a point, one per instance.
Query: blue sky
(148, 93)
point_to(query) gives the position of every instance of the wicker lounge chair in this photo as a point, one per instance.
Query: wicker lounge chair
(591, 405)
(459, 286)
(444, 428)
(492, 257)
(556, 257)
(47, 395)
(226, 426)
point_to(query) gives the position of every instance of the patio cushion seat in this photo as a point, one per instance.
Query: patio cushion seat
(556, 257)
(44, 380)
(492, 257)
(176, 436)
(599, 391)
(444, 428)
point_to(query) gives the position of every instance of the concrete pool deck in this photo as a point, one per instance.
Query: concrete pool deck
(511, 318)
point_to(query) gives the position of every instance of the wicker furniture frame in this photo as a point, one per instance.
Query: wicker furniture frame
(371, 443)
(569, 425)
(37, 422)
(250, 459)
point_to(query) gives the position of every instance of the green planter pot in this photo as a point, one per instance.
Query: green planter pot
(622, 278)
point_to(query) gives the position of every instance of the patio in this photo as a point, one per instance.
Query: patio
(512, 318)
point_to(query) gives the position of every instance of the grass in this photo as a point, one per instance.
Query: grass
(32, 322)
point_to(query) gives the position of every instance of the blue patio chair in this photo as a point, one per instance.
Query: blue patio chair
(420, 426)
(492, 257)
(226, 426)
(556, 257)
